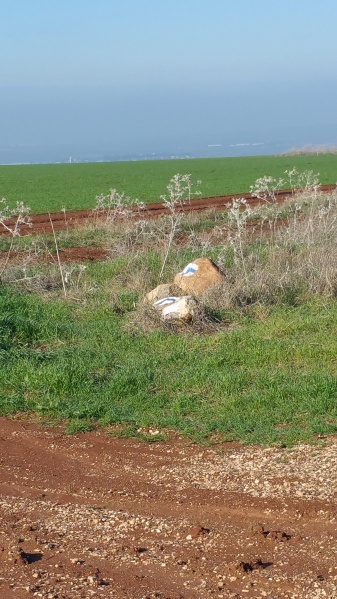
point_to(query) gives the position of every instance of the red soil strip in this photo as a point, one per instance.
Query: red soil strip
(70, 220)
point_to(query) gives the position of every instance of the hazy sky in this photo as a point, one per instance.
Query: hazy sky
(135, 73)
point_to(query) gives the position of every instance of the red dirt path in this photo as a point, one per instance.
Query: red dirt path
(91, 515)
(70, 220)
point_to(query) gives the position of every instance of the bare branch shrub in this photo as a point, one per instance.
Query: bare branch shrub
(298, 260)
(238, 214)
(11, 219)
(113, 206)
(267, 188)
(179, 193)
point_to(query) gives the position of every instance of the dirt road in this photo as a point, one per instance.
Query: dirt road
(40, 223)
(91, 515)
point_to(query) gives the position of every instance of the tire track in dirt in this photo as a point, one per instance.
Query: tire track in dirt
(91, 515)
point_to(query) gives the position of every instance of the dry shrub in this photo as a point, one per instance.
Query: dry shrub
(291, 262)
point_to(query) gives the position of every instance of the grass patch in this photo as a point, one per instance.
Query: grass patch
(271, 381)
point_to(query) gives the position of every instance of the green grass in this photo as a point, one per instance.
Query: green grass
(74, 186)
(270, 381)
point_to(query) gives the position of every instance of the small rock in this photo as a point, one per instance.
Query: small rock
(138, 550)
(158, 293)
(257, 529)
(182, 309)
(250, 566)
(198, 531)
(278, 535)
(76, 560)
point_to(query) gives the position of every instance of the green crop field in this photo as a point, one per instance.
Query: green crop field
(75, 186)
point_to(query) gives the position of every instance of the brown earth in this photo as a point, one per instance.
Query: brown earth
(92, 515)
(69, 220)
(70, 254)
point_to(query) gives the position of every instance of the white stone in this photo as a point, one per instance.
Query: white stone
(183, 309)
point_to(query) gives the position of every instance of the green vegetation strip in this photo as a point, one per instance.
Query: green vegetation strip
(75, 186)
(266, 381)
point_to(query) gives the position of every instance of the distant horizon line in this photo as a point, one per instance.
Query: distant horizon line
(276, 149)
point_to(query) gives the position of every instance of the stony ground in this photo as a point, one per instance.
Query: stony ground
(90, 516)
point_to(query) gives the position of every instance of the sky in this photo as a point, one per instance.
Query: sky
(108, 76)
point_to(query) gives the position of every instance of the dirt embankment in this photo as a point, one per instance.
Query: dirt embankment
(91, 515)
